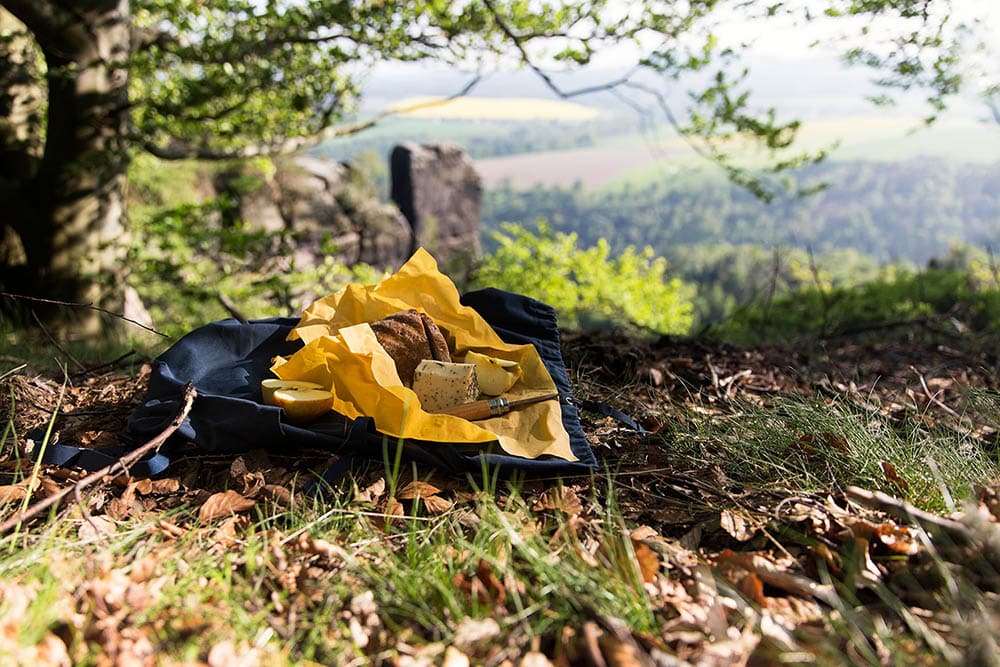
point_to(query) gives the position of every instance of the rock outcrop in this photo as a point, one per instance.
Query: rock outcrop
(325, 208)
(440, 192)
(331, 211)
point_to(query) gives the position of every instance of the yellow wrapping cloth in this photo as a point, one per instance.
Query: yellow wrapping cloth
(347, 358)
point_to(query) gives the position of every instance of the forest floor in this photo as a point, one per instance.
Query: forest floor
(837, 504)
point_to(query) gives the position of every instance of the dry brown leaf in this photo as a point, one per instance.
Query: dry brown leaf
(897, 539)
(561, 499)
(165, 486)
(417, 489)
(772, 574)
(494, 587)
(167, 529)
(12, 493)
(144, 486)
(229, 530)
(437, 504)
(95, 527)
(50, 487)
(393, 507)
(753, 588)
(894, 478)
(737, 525)
(223, 504)
(253, 482)
(277, 494)
(641, 533)
(649, 562)
(371, 493)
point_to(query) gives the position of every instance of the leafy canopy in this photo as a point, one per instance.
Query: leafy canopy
(213, 76)
(223, 78)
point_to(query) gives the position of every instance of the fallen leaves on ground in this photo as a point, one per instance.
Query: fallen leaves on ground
(222, 504)
(729, 575)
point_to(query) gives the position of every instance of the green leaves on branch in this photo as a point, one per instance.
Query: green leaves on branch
(588, 287)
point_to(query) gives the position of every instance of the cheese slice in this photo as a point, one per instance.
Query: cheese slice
(443, 384)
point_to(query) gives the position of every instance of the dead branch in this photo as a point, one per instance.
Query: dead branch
(71, 304)
(121, 466)
(108, 364)
(231, 308)
(931, 397)
(905, 512)
(66, 353)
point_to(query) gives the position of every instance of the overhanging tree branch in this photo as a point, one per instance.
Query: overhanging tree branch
(179, 150)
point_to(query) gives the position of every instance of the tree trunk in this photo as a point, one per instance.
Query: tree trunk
(21, 96)
(74, 230)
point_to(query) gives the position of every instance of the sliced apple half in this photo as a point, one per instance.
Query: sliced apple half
(303, 405)
(270, 385)
(495, 375)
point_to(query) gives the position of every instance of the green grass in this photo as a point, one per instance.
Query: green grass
(272, 585)
(824, 445)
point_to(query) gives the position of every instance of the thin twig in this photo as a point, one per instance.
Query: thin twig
(13, 371)
(71, 304)
(107, 364)
(231, 308)
(294, 144)
(55, 343)
(931, 397)
(78, 497)
(122, 465)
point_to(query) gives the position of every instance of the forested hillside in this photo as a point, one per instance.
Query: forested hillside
(889, 211)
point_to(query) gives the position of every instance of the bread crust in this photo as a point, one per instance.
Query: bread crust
(410, 337)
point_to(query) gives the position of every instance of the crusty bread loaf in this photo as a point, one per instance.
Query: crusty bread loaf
(410, 337)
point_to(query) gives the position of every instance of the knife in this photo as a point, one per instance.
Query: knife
(492, 407)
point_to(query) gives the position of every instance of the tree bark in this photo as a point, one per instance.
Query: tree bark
(73, 227)
(21, 96)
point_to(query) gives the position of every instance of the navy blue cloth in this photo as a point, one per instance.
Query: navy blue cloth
(226, 362)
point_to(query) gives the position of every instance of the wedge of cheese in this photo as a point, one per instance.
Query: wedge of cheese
(443, 384)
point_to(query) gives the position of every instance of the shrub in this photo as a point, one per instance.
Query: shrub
(586, 286)
(183, 258)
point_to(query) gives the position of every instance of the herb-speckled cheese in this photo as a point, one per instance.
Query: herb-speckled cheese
(442, 384)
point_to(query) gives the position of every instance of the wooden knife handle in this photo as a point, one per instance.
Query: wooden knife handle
(493, 407)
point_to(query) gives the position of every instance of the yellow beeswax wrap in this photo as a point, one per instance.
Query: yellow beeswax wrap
(341, 352)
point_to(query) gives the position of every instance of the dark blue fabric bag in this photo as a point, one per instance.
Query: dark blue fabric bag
(226, 362)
